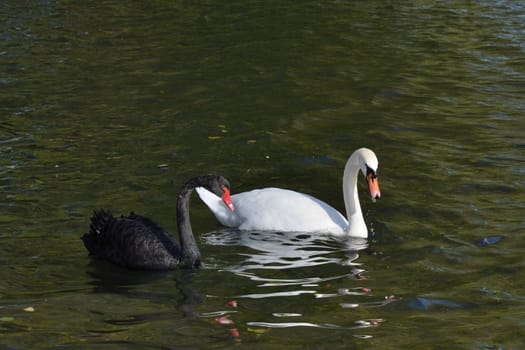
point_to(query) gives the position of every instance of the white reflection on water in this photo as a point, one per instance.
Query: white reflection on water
(263, 252)
(304, 282)
(267, 257)
(290, 293)
(287, 250)
(296, 266)
(358, 324)
(291, 324)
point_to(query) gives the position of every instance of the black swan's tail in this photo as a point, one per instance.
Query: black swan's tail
(100, 221)
(131, 241)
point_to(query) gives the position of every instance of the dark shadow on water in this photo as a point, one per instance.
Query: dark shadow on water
(110, 278)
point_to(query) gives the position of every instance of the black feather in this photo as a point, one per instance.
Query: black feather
(140, 243)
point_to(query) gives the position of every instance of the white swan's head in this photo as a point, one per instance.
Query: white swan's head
(367, 160)
(368, 164)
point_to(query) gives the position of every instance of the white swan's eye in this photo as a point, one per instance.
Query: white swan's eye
(370, 171)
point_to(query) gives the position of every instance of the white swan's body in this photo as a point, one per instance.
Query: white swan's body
(276, 209)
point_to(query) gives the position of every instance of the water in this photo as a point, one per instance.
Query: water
(113, 104)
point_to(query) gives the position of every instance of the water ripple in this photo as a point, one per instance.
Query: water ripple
(307, 281)
(292, 324)
(358, 324)
(277, 294)
(277, 250)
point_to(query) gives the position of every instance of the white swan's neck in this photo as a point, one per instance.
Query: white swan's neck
(356, 222)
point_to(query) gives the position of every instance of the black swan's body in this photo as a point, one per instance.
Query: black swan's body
(140, 243)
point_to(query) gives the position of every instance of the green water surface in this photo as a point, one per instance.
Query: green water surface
(115, 104)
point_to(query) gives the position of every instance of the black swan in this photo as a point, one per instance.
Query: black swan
(140, 243)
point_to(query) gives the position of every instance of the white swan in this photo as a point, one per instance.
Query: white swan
(276, 209)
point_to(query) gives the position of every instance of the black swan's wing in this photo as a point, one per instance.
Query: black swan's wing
(133, 242)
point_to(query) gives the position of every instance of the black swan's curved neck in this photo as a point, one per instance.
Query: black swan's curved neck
(191, 256)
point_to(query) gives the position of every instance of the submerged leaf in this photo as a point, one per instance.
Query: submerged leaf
(258, 330)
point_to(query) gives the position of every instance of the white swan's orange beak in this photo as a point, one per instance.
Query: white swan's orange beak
(227, 199)
(373, 186)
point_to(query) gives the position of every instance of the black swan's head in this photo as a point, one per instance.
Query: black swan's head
(218, 185)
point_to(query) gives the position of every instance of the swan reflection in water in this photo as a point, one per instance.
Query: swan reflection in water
(264, 251)
(288, 265)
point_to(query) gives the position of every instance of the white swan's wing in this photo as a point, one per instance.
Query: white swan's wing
(276, 209)
(225, 216)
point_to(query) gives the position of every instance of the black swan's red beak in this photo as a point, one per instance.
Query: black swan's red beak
(226, 198)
